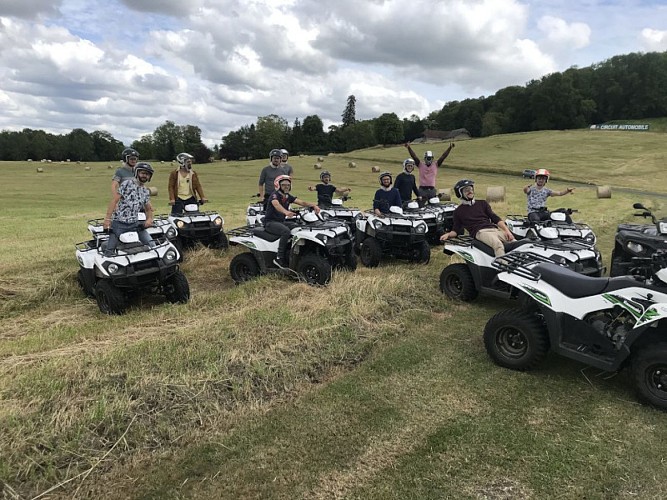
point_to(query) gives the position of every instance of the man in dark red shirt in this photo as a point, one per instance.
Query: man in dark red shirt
(478, 219)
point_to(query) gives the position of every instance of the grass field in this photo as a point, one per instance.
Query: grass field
(373, 387)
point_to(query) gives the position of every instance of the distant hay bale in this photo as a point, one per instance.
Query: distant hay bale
(153, 190)
(445, 194)
(29, 159)
(495, 193)
(317, 166)
(300, 156)
(320, 158)
(375, 169)
(86, 169)
(352, 165)
(109, 166)
(40, 170)
(604, 191)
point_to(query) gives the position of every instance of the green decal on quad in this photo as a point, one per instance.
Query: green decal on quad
(467, 256)
(537, 295)
(624, 303)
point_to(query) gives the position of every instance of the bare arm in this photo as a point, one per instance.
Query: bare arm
(526, 189)
(115, 198)
(276, 204)
(412, 153)
(148, 208)
(445, 154)
(562, 193)
(307, 204)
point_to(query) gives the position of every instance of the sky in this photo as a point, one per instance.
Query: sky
(127, 66)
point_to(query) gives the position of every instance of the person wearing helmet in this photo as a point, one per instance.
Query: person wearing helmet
(406, 182)
(537, 197)
(284, 156)
(325, 191)
(131, 198)
(428, 171)
(276, 211)
(129, 157)
(387, 196)
(184, 186)
(269, 174)
(478, 219)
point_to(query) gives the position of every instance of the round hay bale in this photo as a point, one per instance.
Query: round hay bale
(86, 168)
(300, 156)
(40, 170)
(375, 169)
(153, 190)
(109, 166)
(317, 166)
(495, 193)
(352, 164)
(604, 191)
(445, 194)
(320, 159)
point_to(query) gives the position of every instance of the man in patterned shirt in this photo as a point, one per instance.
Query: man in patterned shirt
(122, 215)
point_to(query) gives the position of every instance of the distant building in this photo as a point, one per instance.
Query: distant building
(444, 135)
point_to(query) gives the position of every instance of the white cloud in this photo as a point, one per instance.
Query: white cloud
(654, 40)
(28, 10)
(559, 33)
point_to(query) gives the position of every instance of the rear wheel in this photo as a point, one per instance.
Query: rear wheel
(177, 288)
(220, 241)
(422, 253)
(315, 269)
(110, 298)
(649, 374)
(516, 339)
(244, 267)
(456, 283)
(350, 261)
(370, 253)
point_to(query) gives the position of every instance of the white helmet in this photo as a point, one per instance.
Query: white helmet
(182, 159)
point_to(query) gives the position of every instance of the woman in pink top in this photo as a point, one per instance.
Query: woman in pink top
(428, 171)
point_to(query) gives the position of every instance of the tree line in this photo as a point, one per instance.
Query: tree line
(632, 86)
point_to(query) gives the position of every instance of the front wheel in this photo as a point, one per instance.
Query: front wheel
(456, 282)
(370, 253)
(516, 339)
(649, 374)
(316, 270)
(86, 280)
(110, 298)
(177, 288)
(220, 241)
(422, 253)
(244, 267)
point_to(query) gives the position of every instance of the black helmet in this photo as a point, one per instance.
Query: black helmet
(385, 174)
(143, 166)
(127, 152)
(324, 173)
(275, 152)
(460, 185)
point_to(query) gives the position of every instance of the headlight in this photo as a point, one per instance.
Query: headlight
(180, 224)
(663, 227)
(358, 216)
(218, 221)
(325, 215)
(252, 212)
(635, 247)
(421, 228)
(113, 268)
(78, 257)
(170, 255)
(441, 217)
(590, 239)
(171, 233)
(378, 223)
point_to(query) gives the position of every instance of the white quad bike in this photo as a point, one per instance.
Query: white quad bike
(254, 214)
(556, 227)
(465, 281)
(393, 235)
(336, 210)
(607, 323)
(438, 216)
(195, 225)
(316, 247)
(135, 267)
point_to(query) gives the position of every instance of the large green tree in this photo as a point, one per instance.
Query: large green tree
(388, 129)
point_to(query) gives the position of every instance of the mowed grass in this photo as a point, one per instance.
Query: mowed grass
(373, 387)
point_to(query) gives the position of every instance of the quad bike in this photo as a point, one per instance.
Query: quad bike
(556, 227)
(336, 210)
(465, 281)
(195, 226)
(607, 323)
(254, 214)
(391, 235)
(438, 217)
(317, 246)
(135, 267)
(637, 240)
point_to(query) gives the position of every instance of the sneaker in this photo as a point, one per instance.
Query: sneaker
(280, 262)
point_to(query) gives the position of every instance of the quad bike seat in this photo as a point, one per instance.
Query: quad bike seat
(576, 285)
(512, 245)
(261, 233)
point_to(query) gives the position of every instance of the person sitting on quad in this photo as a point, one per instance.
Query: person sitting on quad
(184, 185)
(325, 191)
(283, 161)
(131, 198)
(406, 182)
(129, 158)
(269, 174)
(428, 172)
(276, 211)
(537, 197)
(387, 196)
(477, 217)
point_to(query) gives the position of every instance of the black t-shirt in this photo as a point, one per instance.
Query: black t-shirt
(271, 213)
(406, 185)
(325, 193)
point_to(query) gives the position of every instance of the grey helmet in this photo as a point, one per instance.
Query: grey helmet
(385, 174)
(127, 152)
(275, 152)
(407, 162)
